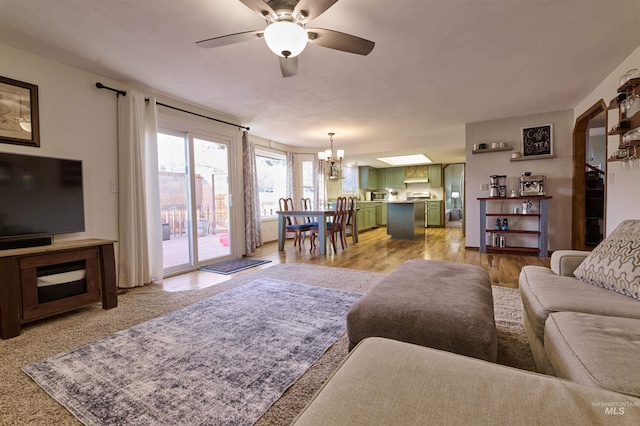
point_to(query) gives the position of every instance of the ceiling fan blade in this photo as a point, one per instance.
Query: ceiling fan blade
(288, 66)
(231, 39)
(311, 9)
(340, 41)
(261, 8)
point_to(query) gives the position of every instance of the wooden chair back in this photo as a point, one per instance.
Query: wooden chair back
(287, 204)
(305, 204)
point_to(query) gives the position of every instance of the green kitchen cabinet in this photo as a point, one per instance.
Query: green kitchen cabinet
(435, 214)
(368, 177)
(435, 175)
(394, 177)
(367, 216)
(381, 214)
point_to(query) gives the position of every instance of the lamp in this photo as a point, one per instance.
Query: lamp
(25, 124)
(327, 155)
(285, 38)
(455, 195)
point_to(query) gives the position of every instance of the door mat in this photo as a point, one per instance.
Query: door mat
(232, 266)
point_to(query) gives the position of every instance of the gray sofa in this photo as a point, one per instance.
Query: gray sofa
(387, 382)
(587, 330)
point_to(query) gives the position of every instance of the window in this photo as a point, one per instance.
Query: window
(349, 184)
(272, 180)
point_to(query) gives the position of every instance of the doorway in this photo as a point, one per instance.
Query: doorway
(589, 177)
(454, 192)
(194, 200)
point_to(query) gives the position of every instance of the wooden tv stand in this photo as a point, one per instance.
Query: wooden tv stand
(20, 299)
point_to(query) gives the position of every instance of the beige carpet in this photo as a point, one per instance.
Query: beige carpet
(23, 402)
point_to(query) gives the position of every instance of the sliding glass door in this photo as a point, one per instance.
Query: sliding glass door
(194, 200)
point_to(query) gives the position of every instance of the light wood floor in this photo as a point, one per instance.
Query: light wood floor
(377, 252)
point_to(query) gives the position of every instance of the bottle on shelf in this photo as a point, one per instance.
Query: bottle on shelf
(497, 225)
(505, 224)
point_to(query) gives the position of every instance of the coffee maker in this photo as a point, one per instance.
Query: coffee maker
(493, 186)
(497, 186)
(531, 185)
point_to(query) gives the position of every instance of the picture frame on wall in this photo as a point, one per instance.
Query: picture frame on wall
(19, 120)
(537, 142)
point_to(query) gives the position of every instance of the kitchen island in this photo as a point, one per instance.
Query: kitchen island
(405, 220)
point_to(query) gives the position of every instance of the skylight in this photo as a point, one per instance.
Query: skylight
(405, 160)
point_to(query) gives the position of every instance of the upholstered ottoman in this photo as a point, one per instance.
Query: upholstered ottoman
(595, 350)
(442, 305)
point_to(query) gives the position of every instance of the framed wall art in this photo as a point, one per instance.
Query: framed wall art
(19, 122)
(537, 142)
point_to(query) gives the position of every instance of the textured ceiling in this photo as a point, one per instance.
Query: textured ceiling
(437, 64)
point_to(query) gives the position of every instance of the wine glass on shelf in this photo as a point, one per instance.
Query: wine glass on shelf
(633, 159)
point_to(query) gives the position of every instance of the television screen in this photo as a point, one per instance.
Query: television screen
(40, 195)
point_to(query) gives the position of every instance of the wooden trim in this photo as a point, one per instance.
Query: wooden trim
(579, 174)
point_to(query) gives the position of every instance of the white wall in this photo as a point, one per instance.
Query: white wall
(623, 200)
(558, 171)
(77, 121)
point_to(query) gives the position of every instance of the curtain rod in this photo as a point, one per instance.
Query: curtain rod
(123, 93)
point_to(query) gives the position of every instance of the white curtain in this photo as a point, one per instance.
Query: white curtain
(139, 227)
(252, 218)
(319, 183)
(291, 178)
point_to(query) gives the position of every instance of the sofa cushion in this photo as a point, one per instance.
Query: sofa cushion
(565, 262)
(386, 382)
(543, 292)
(595, 350)
(615, 263)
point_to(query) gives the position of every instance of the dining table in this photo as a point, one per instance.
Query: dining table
(320, 216)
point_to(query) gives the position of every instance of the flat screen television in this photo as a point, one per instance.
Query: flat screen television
(39, 197)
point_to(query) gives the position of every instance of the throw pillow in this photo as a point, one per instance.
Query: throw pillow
(615, 263)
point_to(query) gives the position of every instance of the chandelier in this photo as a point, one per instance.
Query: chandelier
(336, 161)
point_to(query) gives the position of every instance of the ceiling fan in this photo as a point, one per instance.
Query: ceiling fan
(286, 33)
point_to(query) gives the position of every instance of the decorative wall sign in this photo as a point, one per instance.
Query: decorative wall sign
(19, 113)
(537, 142)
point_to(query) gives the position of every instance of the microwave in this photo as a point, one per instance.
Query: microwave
(379, 196)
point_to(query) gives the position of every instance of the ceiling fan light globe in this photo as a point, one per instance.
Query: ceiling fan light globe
(286, 39)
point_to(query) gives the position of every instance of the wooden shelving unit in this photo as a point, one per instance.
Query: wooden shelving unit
(627, 124)
(21, 300)
(542, 232)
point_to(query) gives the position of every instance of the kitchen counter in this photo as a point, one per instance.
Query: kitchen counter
(405, 219)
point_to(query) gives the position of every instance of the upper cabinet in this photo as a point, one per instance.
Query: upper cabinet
(435, 175)
(391, 177)
(398, 177)
(368, 177)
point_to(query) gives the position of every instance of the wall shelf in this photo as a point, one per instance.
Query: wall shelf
(534, 157)
(486, 150)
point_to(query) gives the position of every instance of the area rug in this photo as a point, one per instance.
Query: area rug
(235, 265)
(223, 360)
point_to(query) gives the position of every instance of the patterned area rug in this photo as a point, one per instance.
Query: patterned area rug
(224, 360)
(235, 265)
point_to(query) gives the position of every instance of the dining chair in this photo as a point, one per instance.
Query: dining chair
(352, 211)
(292, 226)
(305, 204)
(335, 227)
